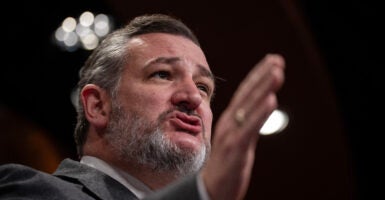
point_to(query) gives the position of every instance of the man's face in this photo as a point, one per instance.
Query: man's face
(168, 84)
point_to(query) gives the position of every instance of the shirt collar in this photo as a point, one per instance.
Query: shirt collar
(134, 185)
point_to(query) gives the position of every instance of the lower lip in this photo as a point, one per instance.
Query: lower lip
(191, 129)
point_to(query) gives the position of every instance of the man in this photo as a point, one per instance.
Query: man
(145, 123)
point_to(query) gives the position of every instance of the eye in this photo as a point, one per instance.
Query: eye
(204, 88)
(161, 75)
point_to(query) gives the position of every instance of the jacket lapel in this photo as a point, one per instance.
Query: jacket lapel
(98, 183)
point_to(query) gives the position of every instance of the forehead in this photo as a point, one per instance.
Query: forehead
(150, 46)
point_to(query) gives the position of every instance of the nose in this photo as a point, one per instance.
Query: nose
(187, 95)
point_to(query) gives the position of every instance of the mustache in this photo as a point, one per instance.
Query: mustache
(182, 109)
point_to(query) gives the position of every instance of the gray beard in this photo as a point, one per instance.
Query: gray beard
(137, 140)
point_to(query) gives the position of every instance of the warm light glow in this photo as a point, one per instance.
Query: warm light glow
(86, 19)
(102, 25)
(60, 34)
(85, 32)
(71, 40)
(276, 122)
(90, 41)
(69, 24)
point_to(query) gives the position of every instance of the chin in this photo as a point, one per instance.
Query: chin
(188, 142)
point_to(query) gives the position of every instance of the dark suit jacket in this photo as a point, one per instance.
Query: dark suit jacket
(73, 180)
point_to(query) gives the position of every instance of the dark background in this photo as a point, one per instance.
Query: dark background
(350, 35)
(333, 94)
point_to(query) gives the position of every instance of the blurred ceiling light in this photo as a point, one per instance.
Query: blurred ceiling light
(69, 24)
(86, 31)
(276, 122)
(101, 27)
(71, 39)
(90, 41)
(60, 34)
(83, 31)
(86, 19)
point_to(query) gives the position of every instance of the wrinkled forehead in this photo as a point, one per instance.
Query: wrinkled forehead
(153, 45)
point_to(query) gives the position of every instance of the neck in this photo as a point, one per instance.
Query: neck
(152, 178)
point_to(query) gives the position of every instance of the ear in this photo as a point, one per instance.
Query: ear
(97, 105)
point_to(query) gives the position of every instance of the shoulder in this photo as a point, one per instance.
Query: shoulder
(18, 181)
(13, 172)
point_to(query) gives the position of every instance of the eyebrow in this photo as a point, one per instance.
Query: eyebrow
(171, 60)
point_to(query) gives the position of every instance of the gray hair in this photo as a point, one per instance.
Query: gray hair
(105, 64)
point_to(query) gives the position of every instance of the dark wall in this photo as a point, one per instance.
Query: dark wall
(350, 35)
(332, 91)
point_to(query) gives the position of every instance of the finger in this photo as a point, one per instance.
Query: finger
(259, 114)
(257, 76)
(256, 99)
(257, 96)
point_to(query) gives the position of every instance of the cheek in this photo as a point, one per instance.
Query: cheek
(207, 121)
(151, 103)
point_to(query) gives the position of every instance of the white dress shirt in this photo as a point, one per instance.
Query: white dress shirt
(134, 185)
